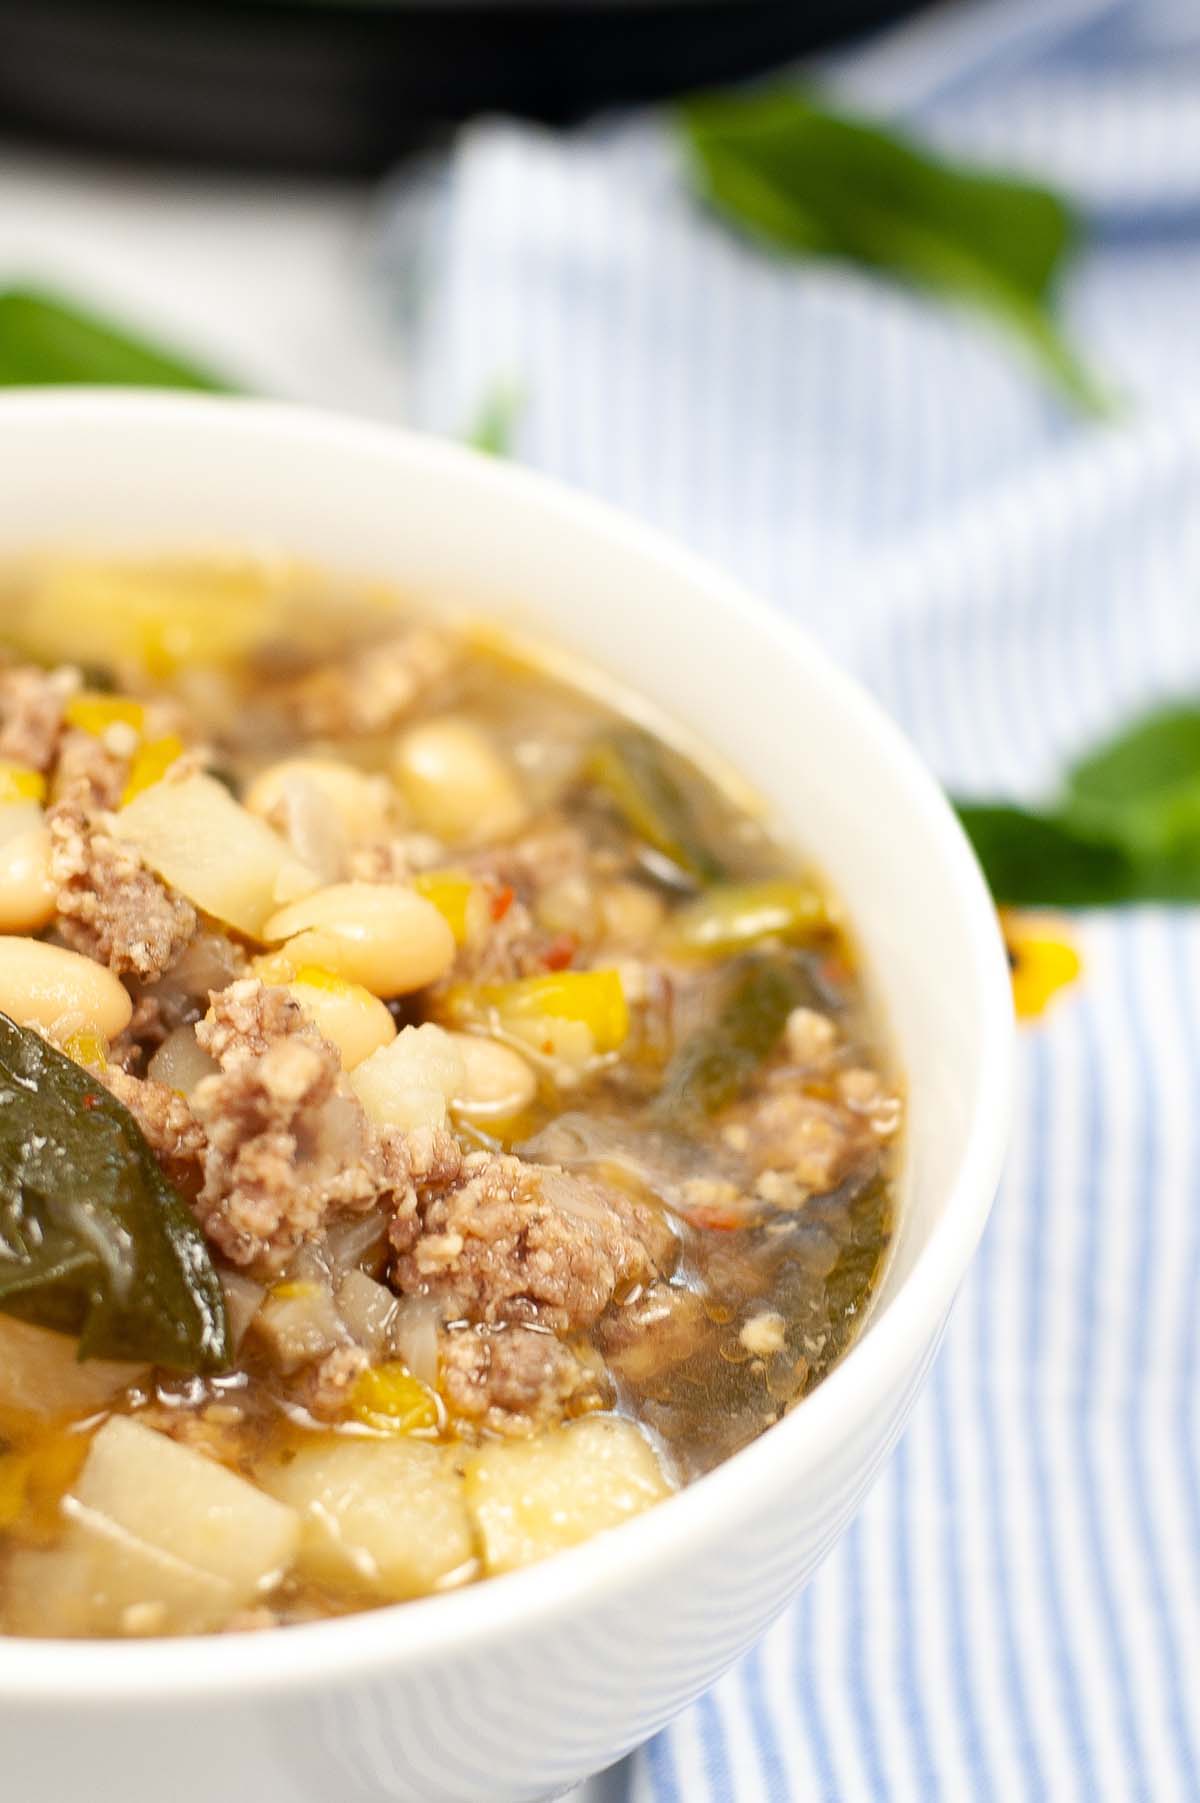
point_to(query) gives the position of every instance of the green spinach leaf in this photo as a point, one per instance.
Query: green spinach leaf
(94, 1241)
(715, 1064)
(633, 772)
(46, 341)
(808, 181)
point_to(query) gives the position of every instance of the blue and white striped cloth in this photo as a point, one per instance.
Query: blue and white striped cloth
(1016, 1612)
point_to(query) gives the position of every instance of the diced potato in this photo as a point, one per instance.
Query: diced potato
(140, 1486)
(99, 1580)
(409, 1082)
(531, 1498)
(214, 851)
(180, 1061)
(385, 1515)
(41, 1375)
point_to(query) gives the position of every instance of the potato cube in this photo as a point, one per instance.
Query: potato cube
(531, 1498)
(159, 1540)
(180, 1503)
(41, 1375)
(214, 851)
(387, 1516)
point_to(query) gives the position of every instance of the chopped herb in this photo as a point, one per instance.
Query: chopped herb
(94, 1241)
(809, 181)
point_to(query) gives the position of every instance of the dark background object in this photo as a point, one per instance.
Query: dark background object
(342, 85)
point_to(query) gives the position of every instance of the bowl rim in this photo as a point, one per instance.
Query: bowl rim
(248, 1666)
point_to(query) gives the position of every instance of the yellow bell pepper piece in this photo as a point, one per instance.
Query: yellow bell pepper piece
(450, 892)
(1042, 962)
(94, 713)
(86, 1048)
(391, 1400)
(151, 763)
(592, 998)
(19, 783)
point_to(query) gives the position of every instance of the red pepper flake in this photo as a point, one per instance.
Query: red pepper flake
(501, 901)
(712, 1219)
(91, 1100)
(560, 951)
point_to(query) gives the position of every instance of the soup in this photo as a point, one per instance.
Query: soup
(438, 1117)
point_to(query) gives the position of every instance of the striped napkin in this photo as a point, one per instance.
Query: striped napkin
(1016, 1612)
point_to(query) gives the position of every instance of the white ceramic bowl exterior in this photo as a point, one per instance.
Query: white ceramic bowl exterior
(516, 1688)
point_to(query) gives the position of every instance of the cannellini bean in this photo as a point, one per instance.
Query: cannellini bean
(382, 935)
(456, 782)
(355, 1020)
(497, 1081)
(360, 801)
(46, 986)
(631, 913)
(27, 895)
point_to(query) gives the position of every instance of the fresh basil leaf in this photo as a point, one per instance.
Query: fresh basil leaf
(1048, 859)
(94, 1240)
(1159, 752)
(810, 181)
(48, 341)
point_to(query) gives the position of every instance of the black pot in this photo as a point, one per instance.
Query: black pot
(327, 85)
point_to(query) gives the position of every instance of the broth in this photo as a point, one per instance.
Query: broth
(493, 1089)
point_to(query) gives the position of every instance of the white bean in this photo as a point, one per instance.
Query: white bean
(27, 895)
(456, 783)
(46, 986)
(497, 1081)
(360, 801)
(347, 1014)
(382, 935)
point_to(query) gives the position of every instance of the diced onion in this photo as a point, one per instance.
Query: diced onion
(414, 1336)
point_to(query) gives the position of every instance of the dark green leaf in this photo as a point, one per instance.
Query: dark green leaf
(1048, 859)
(47, 341)
(806, 180)
(94, 1241)
(651, 794)
(714, 1065)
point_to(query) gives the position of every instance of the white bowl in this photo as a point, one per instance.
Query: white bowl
(517, 1687)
